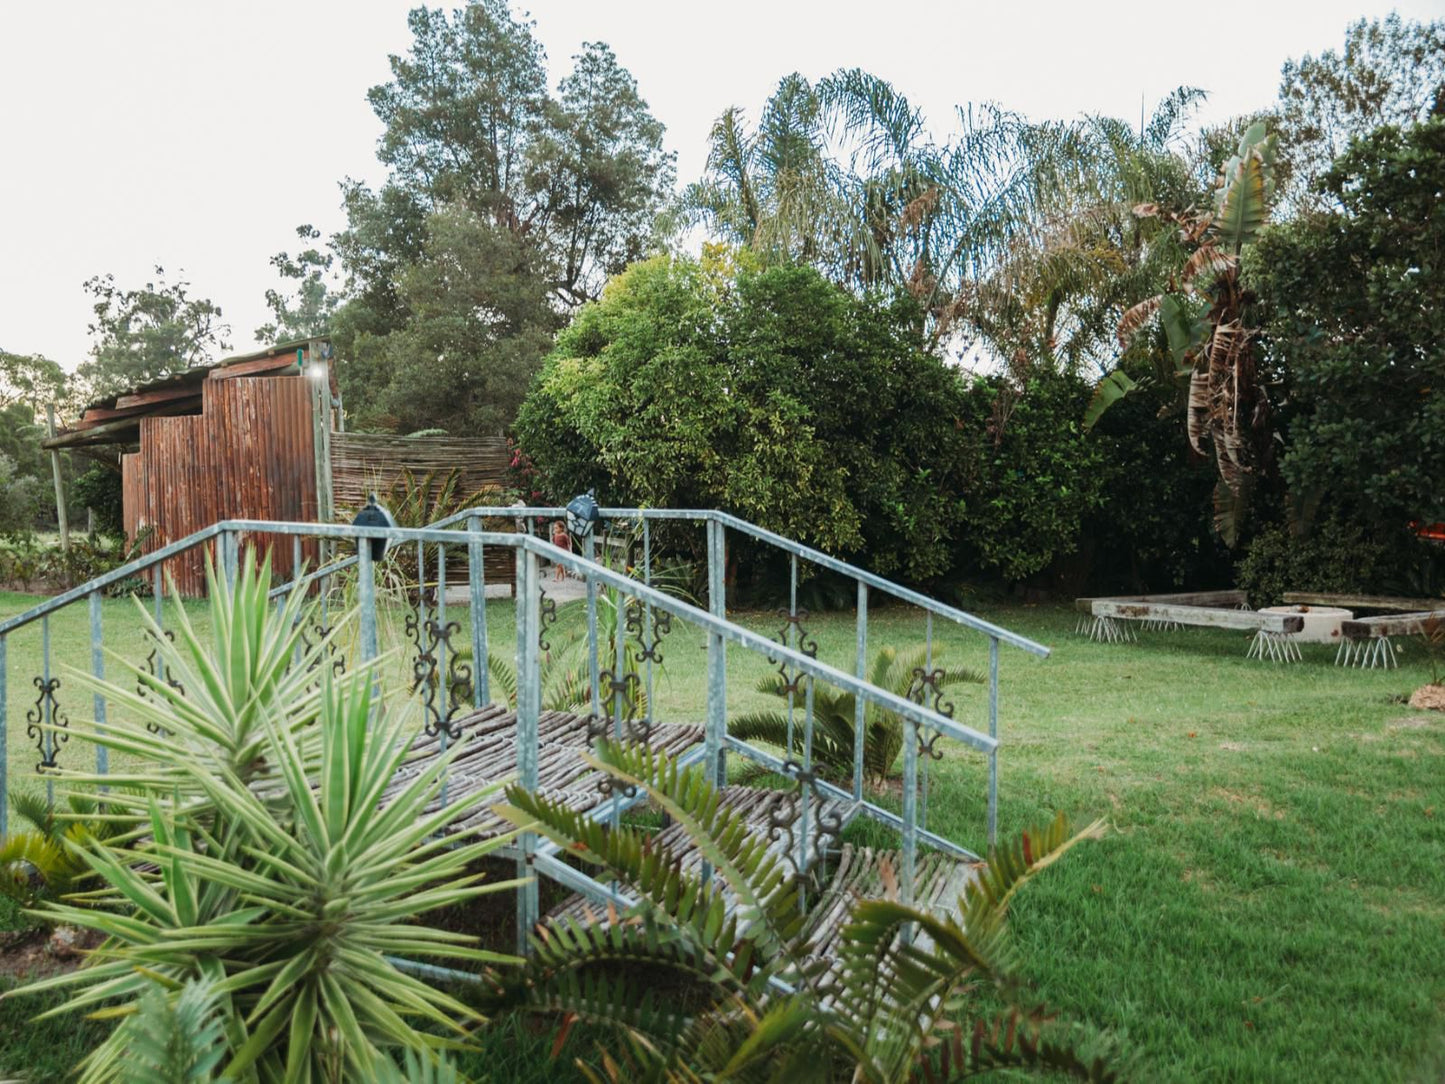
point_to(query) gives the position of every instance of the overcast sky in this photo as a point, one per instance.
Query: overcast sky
(196, 134)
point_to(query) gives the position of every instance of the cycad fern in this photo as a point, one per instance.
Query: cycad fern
(175, 1037)
(45, 863)
(835, 716)
(711, 978)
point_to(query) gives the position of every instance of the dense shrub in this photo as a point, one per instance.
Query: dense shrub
(813, 412)
(1151, 529)
(100, 490)
(1028, 474)
(1336, 556)
(21, 498)
(1353, 307)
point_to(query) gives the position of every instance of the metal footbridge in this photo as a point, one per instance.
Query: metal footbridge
(630, 622)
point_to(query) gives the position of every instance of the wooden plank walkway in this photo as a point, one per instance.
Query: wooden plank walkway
(489, 736)
(849, 873)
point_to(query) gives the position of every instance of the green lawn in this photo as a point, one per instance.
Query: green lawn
(1270, 904)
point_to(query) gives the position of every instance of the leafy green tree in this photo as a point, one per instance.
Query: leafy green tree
(1353, 311)
(148, 333)
(773, 393)
(1389, 72)
(307, 309)
(477, 331)
(21, 497)
(32, 380)
(555, 192)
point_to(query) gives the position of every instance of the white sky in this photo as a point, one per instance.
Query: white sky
(198, 133)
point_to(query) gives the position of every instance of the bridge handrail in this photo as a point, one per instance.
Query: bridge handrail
(787, 545)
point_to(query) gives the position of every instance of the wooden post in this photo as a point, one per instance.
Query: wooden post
(59, 481)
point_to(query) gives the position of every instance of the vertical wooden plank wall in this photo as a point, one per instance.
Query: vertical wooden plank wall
(247, 455)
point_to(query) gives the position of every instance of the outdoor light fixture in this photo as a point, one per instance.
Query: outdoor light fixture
(374, 515)
(583, 514)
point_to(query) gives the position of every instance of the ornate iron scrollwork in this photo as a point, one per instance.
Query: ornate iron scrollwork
(443, 694)
(620, 692)
(806, 645)
(332, 657)
(793, 682)
(546, 615)
(46, 710)
(926, 682)
(929, 748)
(784, 812)
(157, 669)
(636, 627)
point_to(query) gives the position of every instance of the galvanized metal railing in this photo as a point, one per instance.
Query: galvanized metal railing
(717, 525)
(642, 613)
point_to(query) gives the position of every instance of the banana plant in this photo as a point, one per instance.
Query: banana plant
(716, 978)
(1201, 320)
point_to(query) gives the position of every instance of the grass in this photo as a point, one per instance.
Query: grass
(1270, 904)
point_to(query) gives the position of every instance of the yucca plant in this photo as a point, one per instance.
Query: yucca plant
(715, 978)
(265, 865)
(835, 715)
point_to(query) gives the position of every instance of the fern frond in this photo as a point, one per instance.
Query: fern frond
(1012, 1040)
(173, 1038)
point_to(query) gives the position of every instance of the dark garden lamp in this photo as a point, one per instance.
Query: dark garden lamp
(375, 515)
(583, 514)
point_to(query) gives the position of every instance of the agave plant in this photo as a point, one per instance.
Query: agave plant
(835, 716)
(1227, 405)
(267, 866)
(715, 978)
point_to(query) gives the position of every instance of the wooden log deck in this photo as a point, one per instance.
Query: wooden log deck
(848, 873)
(489, 735)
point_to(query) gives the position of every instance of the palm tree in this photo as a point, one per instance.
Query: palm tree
(1202, 317)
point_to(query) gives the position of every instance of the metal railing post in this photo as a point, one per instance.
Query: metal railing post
(477, 583)
(444, 694)
(594, 665)
(717, 664)
(528, 717)
(366, 598)
(47, 711)
(4, 740)
(911, 734)
(230, 557)
(993, 733)
(860, 708)
(97, 668)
